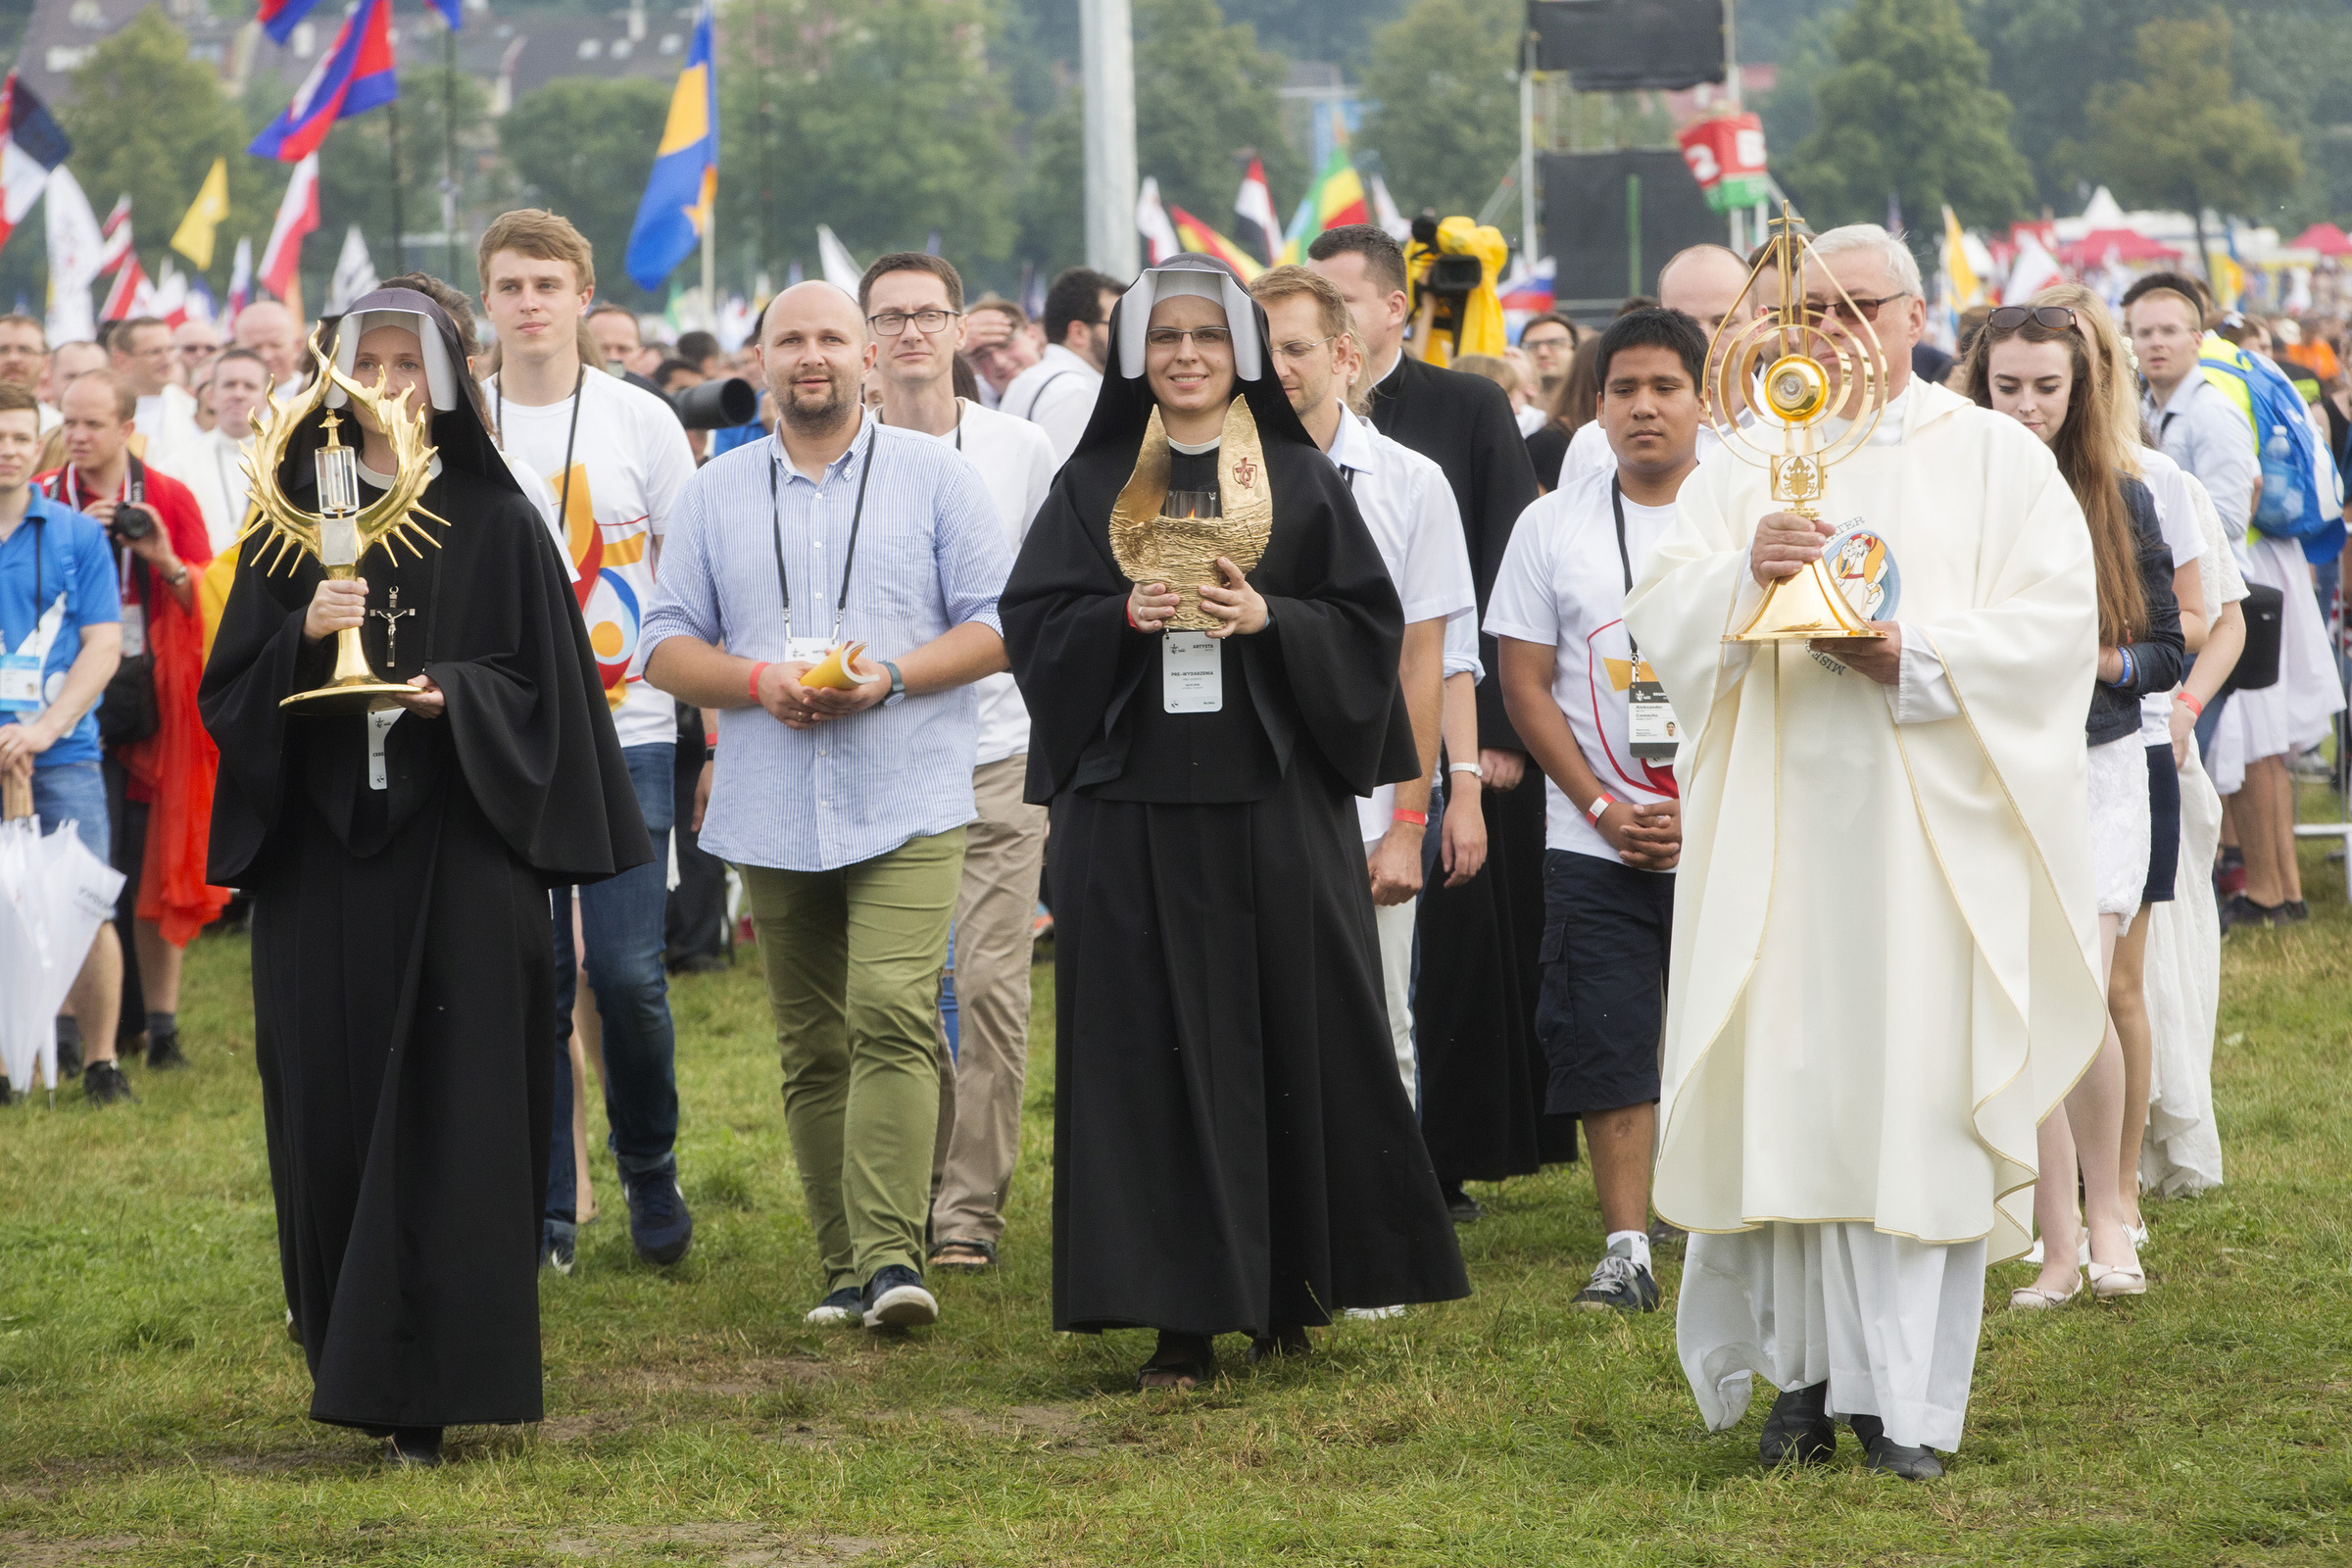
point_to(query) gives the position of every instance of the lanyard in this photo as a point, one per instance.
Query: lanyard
(134, 491)
(775, 514)
(1617, 505)
(572, 433)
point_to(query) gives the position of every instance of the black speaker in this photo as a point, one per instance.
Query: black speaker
(1628, 45)
(1612, 220)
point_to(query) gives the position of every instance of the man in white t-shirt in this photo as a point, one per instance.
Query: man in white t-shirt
(1703, 282)
(617, 458)
(211, 466)
(1057, 394)
(913, 308)
(1595, 721)
(1409, 507)
(140, 351)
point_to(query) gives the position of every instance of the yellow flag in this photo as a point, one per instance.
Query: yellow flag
(1967, 288)
(194, 236)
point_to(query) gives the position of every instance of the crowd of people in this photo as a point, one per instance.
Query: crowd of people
(1363, 719)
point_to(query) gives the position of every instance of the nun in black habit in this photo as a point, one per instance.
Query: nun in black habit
(399, 862)
(1233, 1150)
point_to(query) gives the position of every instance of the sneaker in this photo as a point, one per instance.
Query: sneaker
(103, 1083)
(895, 1299)
(69, 1055)
(659, 1226)
(843, 1308)
(1620, 1283)
(164, 1053)
(558, 1245)
(2294, 912)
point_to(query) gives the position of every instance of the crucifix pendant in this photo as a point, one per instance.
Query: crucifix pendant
(391, 619)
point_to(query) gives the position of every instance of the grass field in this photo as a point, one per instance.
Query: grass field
(151, 1407)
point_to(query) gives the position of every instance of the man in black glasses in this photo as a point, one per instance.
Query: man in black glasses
(1057, 394)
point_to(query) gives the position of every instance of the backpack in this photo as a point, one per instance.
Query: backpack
(2291, 504)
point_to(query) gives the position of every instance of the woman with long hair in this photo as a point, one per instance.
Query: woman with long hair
(2035, 364)
(1576, 404)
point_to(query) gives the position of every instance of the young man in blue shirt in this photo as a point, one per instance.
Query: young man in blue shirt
(54, 558)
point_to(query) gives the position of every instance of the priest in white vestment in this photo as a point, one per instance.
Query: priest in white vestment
(1884, 963)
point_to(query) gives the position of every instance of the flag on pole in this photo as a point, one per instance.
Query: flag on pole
(2033, 269)
(1384, 213)
(122, 301)
(76, 242)
(683, 187)
(117, 236)
(1259, 228)
(1959, 272)
(297, 216)
(351, 78)
(30, 145)
(278, 16)
(240, 277)
(1337, 199)
(1151, 222)
(452, 12)
(1195, 236)
(354, 273)
(207, 212)
(840, 267)
(170, 302)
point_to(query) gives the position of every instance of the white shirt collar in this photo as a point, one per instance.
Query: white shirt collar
(1351, 447)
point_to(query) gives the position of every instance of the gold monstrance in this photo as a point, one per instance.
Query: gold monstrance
(342, 531)
(1780, 360)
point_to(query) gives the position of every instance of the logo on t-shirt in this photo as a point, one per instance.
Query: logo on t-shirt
(608, 601)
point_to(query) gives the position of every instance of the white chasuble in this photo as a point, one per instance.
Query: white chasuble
(1884, 963)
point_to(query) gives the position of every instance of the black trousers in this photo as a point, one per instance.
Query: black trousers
(695, 925)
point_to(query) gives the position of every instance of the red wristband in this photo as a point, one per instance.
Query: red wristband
(711, 739)
(2184, 695)
(1131, 625)
(1417, 818)
(755, 680)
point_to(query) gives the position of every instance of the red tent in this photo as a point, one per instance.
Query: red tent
(2326, 238)
(2124, 244)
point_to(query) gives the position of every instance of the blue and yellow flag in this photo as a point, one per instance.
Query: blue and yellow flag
(683, 188)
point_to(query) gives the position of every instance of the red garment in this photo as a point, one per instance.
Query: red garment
(172, 771)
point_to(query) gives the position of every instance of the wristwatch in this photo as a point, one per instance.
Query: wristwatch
(898, 686)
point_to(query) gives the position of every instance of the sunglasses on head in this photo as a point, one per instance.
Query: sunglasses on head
(2009, 318)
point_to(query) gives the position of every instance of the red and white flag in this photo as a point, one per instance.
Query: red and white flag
(297, 216)
(1259, 230)
(240, 277)
(131, 293)
(1151, 222)
(117, 236)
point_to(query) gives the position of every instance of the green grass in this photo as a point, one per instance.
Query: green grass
(151, 1407)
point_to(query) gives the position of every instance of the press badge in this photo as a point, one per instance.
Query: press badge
(19, 683)
(135, 631)
(806, 650)
(1651, 733)
(1192, 673)
(379, 725)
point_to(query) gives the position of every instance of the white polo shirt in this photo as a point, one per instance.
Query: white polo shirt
(1057, 394)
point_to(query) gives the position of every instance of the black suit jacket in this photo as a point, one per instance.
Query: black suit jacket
(1466, 425)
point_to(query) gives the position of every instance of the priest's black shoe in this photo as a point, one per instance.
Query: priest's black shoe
(163, 1052)
(659, 1226)
(1799, 1430)
(103, 1083)
(1893, 1458)
(414, 1449)
(1462, 1207)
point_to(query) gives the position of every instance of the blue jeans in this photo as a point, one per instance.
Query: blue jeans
(621, 919)
(74, 792)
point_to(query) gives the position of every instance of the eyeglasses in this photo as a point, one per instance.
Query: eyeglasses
(1296, 352)
(1852, 311)
(2009, 318)
(890, 323)
(1203, 337)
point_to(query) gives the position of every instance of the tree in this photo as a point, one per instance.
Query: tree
(355, 179)
(583, 148)
(880, 118)
(1206, 98)
(2182, 137)
(1907, 113)
(147, 120)
(1443, 81)
(1053, 195)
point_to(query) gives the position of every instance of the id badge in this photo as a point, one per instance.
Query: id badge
(19, 683)
(135, 631)
(1191, 672)
(806, 650)
(379, 725)
(1651, 733)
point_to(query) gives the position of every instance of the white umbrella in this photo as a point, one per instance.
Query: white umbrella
(54, 895)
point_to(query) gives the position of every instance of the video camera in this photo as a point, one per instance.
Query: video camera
(1440, 284)
(718, 405)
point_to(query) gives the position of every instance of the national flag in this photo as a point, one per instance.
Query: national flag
(1384, 213)
(202, 307)
(76, 242)
(117, 236)
(1151, 222)
(1195, 236)
(207, 212)
(1259, 228)
(1336, 199)
(682, 190)
(1528, 291)
(240, 277)
(278, 18)
(840, 267)
(351, 78)
(355, 274)
(170, 302)
(2033, 271)
(452, 12)
(297, 216)
(30, 146)
(124, 300)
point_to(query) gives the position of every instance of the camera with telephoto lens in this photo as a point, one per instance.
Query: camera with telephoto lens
(718, 405)
(131, 523)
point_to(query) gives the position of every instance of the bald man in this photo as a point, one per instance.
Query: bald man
(1703, 282)
(845, 809)
(270, 329)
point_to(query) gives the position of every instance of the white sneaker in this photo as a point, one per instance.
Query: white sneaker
(843, 1308)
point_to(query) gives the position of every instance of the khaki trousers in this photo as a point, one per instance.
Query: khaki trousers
(979, 1140)
(853, 960)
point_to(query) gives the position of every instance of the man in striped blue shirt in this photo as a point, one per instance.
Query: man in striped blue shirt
(844, 809)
